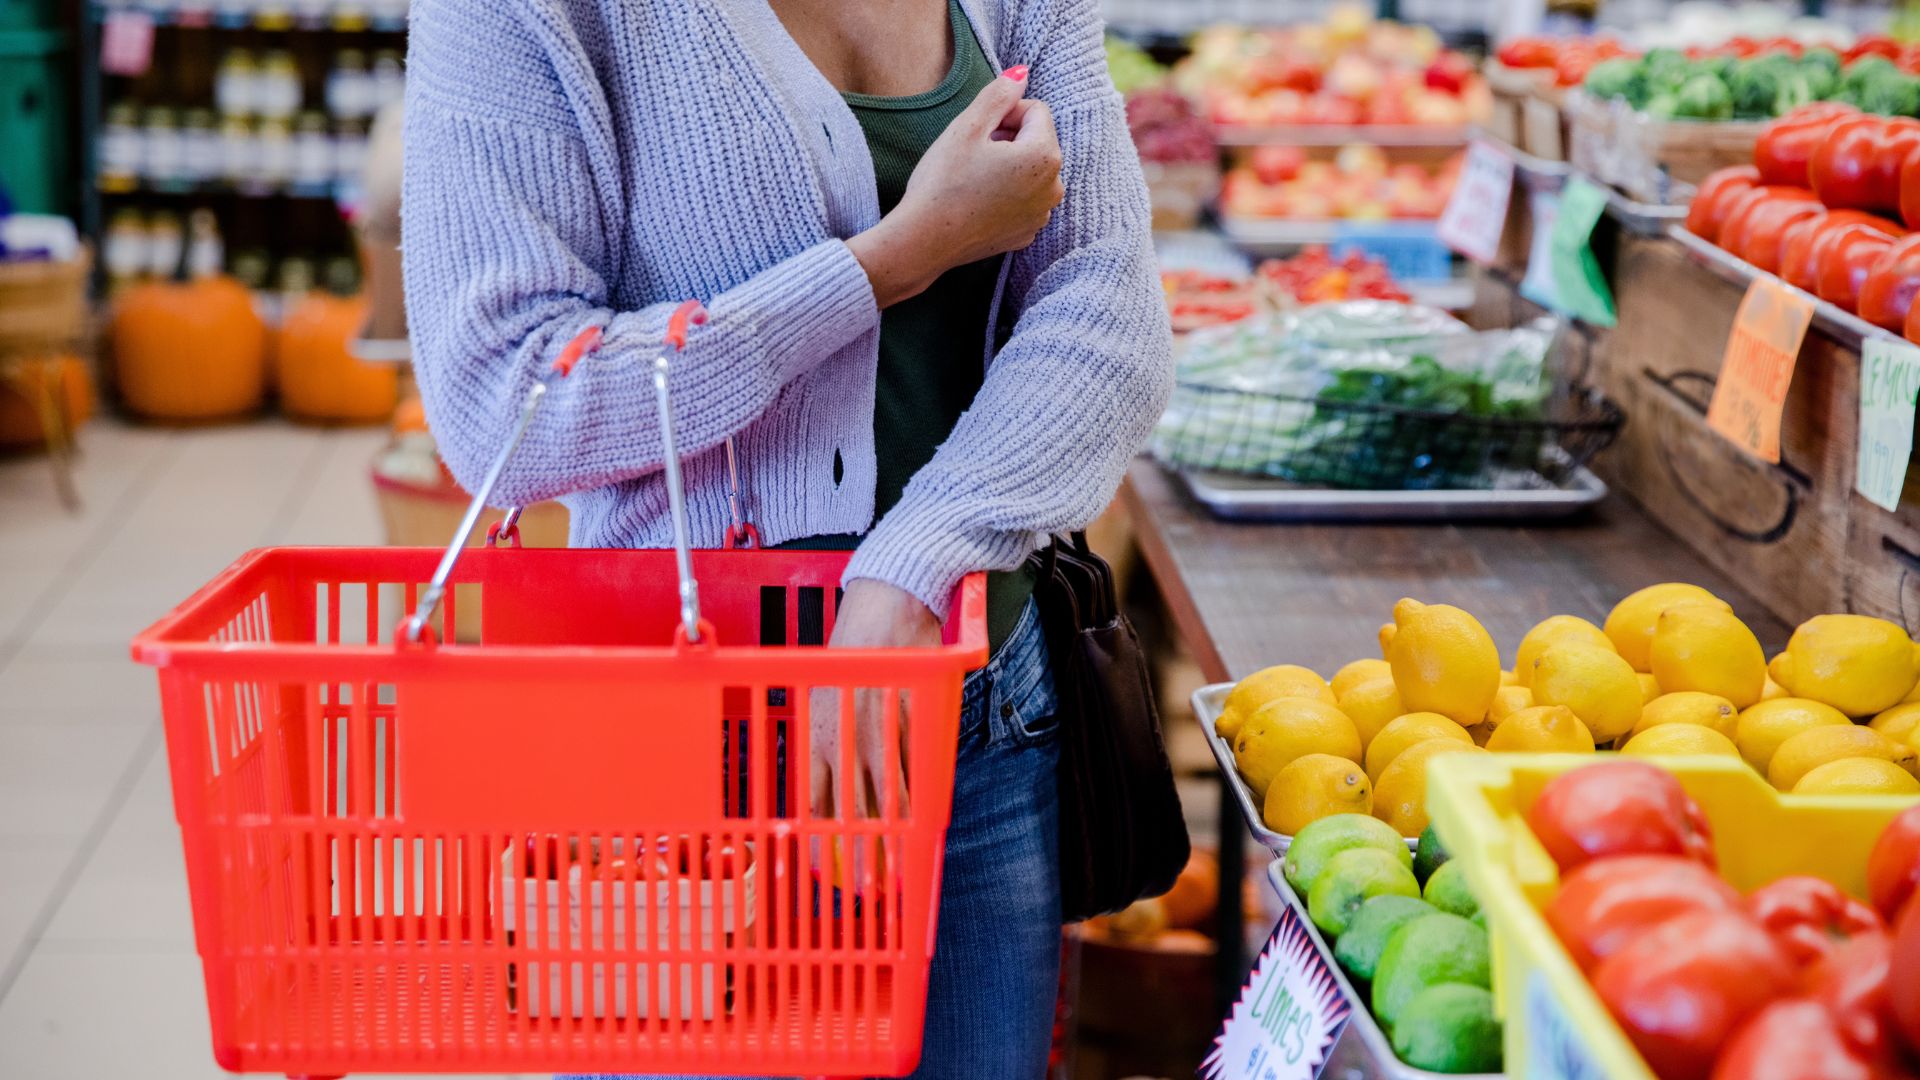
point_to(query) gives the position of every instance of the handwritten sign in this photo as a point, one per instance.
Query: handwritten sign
(1476, 215)
(1288, 1016)
(1889, 389)
(1751, 393)
(1577, 279)
(1537, 284)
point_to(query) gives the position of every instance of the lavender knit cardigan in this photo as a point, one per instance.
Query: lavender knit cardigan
(592, 162)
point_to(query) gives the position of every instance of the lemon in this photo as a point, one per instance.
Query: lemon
(1370, 705)
(1407, 731)
(1898, 723)
(1857, 776)
(1268, 684)
(1508, 678)
(1690, 707)
(1773, 689)
(1801, 753)
(1545, 729)
(1357, 672)
(1558, 630)
(1631, 623)
(1443, 661)
(1675, 740)
(1287, 728)
(1314, 786)
(1763, 727)
(1704, 647)
(1599, 686)
(1400, 794)
(1913, 695)
(1649, 687)
(1506, 701)
(1855, 663)
(1387, 630)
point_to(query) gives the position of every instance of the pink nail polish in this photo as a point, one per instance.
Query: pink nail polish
(1018, 73)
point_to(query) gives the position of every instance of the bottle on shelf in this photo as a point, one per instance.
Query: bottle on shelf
(124, 249)
(122, 148)
(341, 275)
(273, 154)
(206, 252)
(238, 151)
(389, 79)
(349, 152)
(236, 86)
(350, 86)
(313, 169)
(166, 244)
(201, 149)
(387, 14)
(163, 158)
(279, 86)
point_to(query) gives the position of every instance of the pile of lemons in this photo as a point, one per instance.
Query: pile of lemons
(1672, 672)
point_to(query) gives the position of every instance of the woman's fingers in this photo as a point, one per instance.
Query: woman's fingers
(992, 104)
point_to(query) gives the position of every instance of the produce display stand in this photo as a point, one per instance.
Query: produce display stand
(1246, 498)
(1396, 136)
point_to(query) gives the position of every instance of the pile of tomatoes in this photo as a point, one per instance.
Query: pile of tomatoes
(1827, 205)
(1314, 276)
(1569, 59)
(1794, 981)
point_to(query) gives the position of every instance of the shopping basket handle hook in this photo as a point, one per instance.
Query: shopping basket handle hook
(689, 313)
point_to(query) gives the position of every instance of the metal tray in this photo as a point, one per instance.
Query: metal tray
(1249, 498)
(1850, 330)
(1363, 1052)
(1208, 701)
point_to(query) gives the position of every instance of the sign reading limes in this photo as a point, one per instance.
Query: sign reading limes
(1751, 393)
(1889, 389)
(1288, 1016)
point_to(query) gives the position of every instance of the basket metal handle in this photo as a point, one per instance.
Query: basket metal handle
(688, 314)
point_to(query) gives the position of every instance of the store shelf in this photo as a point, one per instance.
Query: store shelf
(1844, 327)
(1309, 135)
(332, 191)
(270, 22)
(1645, 219)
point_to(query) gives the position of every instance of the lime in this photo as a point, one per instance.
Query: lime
(1353, 877)
(1449, 1029)
(1448, 890)
(1358, 950)
(1429, 856)
(1432, 950)
(1321, 840)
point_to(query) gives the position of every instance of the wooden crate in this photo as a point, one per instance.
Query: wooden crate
(1643, 156)
(1883, 568)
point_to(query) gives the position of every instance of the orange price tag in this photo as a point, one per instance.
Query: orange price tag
(1751, 393)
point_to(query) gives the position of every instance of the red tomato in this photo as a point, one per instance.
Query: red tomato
(1892, 282)
(1746, 205)
(1841, 263)
(1893, 869)
(1606, 903)
(1682, 988)
(1855, 982)
(1794, 1039)
(1786, 146)
(1528, 52)
(1911, 331)
(1714, 198)
(1800, 244)
(1766, 225)
(1871, 45)
(1572, 65)
(1905, 968)
(1618, 808)
(1910, 190)
(1810, 917)
(1858, 163)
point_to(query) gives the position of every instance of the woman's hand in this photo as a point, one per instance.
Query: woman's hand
(985, 187)
(872, 614)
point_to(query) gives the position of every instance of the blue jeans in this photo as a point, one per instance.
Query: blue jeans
(996, 960)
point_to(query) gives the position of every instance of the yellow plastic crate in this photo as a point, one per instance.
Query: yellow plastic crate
(1556, 1027)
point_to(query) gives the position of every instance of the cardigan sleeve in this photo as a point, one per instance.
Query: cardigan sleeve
(505, 263)
(1078, 386)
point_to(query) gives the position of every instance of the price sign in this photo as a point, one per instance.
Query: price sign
(1889, 388)
(1288, 1016)
(1476, 215)
(126, 43)
(1410, 249)
(1537, 285)
(1556, 1047)
(1577, 279)
(1751, 393)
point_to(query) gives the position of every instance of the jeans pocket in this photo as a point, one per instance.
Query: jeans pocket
(1023, 704)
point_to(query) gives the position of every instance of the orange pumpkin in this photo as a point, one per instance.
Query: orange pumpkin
(409, 416)
(319, 378)
(19, 412)
(192, 350)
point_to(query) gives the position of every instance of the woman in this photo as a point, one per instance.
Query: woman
(914, 349)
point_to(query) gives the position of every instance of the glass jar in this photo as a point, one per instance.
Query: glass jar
(200, 147)
(312, 152)
(123, 150)
(273, 154)
(164, 161)
(280, 90)
(238, 152)
(389, 79)
(236, 89)
(166, 244)
(123, 251)
(206, 251)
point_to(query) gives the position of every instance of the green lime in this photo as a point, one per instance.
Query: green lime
(1448, 890)
(1429, 856)
(1432, 950)
(1321, 840)
(1480, 918)
(1350, 879)
(1449, 1029)
(1358, 950)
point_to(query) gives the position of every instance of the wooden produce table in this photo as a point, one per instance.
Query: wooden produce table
(1247, 596)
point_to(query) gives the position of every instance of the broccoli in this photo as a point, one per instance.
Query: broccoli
(1796, 89)
(1703, 97)
(1867, 69)
(1754, 86)
(1663, 106)
(1619, 78)
(1823, 58)
(1821, 81)
(1719, 66)
(1891, 95)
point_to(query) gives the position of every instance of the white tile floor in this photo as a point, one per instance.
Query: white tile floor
(98, 976)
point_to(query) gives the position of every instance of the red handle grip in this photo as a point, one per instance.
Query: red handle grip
(582, 346)
(690, 313)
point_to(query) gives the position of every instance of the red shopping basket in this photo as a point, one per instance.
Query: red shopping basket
(582, 842)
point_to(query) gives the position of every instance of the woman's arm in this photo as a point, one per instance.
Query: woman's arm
(1078, 387)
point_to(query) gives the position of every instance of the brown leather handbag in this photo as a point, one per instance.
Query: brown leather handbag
(1121, 834)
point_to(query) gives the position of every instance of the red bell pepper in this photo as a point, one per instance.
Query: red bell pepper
(1809, 916)
(1787, 145)
(1891, 285)
(1766, 225)
(1711, 201)
(1841, 263)
(1792, 1039)
(1802, 241)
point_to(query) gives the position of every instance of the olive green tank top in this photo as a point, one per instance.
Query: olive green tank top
(931, 346)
